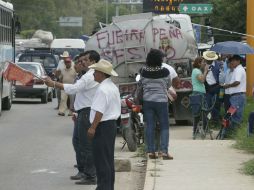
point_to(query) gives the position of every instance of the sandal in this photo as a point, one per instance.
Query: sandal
(152, 155)
(167, 156)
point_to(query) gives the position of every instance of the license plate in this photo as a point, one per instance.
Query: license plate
(125, 115)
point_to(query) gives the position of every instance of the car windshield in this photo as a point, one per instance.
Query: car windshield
(35, 69)
(47, 61)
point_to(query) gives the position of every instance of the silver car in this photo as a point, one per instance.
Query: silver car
(35, 88)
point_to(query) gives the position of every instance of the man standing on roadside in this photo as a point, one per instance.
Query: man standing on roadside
(212, 84)
(85, 89)
(105, 110)
(237, 89)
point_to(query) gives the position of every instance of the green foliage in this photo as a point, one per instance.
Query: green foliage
(27, 33)
(244, 142)
(44, 14)
(248, 168)
(229, 15)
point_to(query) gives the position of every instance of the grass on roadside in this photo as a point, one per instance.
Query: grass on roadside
(141, 151)
(248, 167)
(244, 142)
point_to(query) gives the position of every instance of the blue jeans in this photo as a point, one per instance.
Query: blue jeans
(153, 111)
(238, 101)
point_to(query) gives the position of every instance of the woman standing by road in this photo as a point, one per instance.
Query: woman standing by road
(155, 81)
(198, 87)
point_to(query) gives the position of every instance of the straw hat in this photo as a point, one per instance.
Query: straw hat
(65, 54)
(104, 66)
(210, 55)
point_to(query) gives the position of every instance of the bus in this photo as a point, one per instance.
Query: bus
(7, 52)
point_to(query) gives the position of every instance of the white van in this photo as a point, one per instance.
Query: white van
(73, 46)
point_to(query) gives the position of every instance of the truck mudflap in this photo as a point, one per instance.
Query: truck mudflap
(181, 106)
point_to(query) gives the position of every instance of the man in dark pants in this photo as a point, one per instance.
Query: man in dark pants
(84, 89)
(105, 110)
(212, 83)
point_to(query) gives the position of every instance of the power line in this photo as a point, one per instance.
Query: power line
(229, 31)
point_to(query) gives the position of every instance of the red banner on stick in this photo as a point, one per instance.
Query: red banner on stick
(14, 72)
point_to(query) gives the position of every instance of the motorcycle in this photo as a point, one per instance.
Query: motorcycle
(131, 124)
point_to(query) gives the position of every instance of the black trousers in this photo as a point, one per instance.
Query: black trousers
(103, 151)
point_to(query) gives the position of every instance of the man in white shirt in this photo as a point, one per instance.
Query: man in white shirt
(212, 83)
(85, 89)
(175, 81)
(237, 88)
(105, 110)
(61, 67)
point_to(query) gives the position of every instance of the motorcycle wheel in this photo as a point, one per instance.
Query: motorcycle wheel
(130, 138)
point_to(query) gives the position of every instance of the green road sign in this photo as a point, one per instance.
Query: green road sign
(196, 8)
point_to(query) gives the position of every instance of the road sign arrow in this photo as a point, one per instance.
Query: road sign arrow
(185, 8)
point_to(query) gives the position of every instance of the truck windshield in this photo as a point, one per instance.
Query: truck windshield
(72, 51)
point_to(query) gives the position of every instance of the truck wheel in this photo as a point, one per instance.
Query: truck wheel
(7, 102)
(130, 138)
(0, 100)
(44, 98)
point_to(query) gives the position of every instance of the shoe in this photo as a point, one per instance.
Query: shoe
(167, 156)
(75, 166)
(70, 114)
(86, 181)
(160, 154)
(61, 114)
(152, 155)
(78, 176)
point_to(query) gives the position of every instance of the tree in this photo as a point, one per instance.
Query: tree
(229, 15)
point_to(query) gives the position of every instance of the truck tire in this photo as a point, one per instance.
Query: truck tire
(7, 101)
(0, 99)
(130, 138)
(44, 98)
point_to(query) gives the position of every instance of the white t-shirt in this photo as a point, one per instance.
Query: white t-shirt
(209, 77)
(172, 71)
(228, 78)
(239, 75)
(84, 89)
(106, 101)
(61, 66)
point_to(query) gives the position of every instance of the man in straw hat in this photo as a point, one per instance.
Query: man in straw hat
(212, 83)
(105, 110)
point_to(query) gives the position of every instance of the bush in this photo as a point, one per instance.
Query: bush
(243, 141)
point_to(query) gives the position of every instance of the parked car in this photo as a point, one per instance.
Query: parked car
(48, 60)
(35, 88)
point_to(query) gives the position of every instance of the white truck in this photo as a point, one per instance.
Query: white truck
(128, 39)
(73, 46)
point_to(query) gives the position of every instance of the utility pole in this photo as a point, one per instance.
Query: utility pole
(250, 40)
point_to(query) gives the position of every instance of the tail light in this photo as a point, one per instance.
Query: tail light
(129, 102)
(30, 83)
(136, 108)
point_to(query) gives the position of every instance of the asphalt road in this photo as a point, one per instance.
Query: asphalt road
(37, 153)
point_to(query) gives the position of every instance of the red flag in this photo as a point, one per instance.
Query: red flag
(14, 72)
